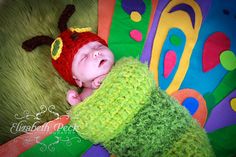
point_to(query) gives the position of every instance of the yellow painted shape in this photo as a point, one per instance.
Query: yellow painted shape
(178, 19)
(135, 16)
(233, 104)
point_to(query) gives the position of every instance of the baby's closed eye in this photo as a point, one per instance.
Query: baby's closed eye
(84, 57)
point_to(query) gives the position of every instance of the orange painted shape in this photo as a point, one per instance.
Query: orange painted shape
(105, 13)
(201, 114)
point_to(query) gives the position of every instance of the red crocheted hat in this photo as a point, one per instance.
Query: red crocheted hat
(64, 48)
(66, 45)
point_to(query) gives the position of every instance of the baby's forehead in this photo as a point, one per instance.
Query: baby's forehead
(87, 47)
(93, 43)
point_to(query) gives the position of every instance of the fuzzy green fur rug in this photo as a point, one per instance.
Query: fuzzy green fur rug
(30, 89)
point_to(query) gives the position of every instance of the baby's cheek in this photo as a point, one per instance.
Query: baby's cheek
(84, 74)
(93, 73)
(90, 72)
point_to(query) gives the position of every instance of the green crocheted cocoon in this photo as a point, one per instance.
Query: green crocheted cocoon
(110, 108)
(161, 128)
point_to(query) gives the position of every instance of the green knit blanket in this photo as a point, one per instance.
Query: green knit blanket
(130, 116)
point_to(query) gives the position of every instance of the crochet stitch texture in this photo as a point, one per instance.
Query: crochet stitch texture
(132, 117)
(161, 128)
(122, 94)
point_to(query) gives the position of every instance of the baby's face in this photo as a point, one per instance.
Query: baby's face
(91, 61)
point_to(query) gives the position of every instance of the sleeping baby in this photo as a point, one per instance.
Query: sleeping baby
(90, 65)
(127, 113)
(120, 106)
(80, 57)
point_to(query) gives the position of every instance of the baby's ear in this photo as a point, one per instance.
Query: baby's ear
(78, 82)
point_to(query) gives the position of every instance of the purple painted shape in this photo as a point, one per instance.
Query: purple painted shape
(133, 5)
(147, 50)
(96, 151)
(222, 115)
(187, 9)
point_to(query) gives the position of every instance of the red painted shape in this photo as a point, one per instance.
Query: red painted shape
(214, 45)
(169, 62)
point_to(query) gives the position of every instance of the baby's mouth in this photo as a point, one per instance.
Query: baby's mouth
(102, 62)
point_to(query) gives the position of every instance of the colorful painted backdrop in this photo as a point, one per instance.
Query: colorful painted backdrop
(190, 46)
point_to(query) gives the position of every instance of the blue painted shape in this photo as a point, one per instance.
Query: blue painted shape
(95, 151)
(133, 5)
(215, 21)
(165, 82)
(191, 104)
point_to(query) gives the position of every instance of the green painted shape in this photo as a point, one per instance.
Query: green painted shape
(223, 141)
(226, 86)
(119, 40)
(228, 60)
(63, 142)
(175, 40)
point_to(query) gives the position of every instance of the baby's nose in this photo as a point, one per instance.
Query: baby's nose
(96, 54)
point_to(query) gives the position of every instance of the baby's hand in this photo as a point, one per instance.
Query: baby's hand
(97, 82)
(73, 97)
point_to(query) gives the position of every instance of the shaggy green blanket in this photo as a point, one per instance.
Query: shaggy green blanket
(31, 91)
(131, 117)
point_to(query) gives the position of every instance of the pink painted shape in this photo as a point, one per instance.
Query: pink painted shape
(214, 45)
(169, 62)
(136, 35)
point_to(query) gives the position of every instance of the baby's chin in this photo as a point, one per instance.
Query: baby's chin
(88, 82)
(102, 74)
(99, 73)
